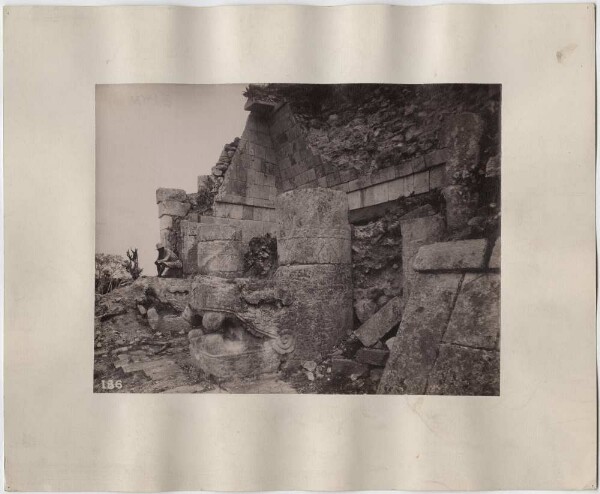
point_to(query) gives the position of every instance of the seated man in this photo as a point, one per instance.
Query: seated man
(168, 264)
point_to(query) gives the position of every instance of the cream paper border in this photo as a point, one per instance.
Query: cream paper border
(540, 433)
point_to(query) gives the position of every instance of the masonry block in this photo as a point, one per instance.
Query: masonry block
(421, 182)
(459, 255)
(171, 195)
(173, 208)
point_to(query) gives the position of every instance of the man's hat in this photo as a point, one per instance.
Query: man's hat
(160, 246)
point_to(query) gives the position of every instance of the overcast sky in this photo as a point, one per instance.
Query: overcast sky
(150, 136)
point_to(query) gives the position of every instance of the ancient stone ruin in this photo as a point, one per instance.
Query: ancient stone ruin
(384, 204)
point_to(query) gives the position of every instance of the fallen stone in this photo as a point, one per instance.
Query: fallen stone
(379, 324)
(425, 318)
(348, 368)
(495, 257)
(310, 376)
(463, 371)
(142, 310)
(163, 195)
(364, 309)
(475, 320)
(451, 256)
(372, 356)
(309, 365)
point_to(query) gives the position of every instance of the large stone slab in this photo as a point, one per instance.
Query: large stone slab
(463, 371)
(475, 321)
(163, 195)
(417, 232)
(423, 324)
(380, 323)
(452, 256)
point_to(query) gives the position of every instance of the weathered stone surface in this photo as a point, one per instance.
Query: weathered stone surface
(320, 314)
(461, 135)
(372, 356)
(348, 368)
(207, 233)
(416, 233)
(213, 321)
(495, 257)
(461, 205)
(163, 195)
(233, 358)
(173, 208)
(212, 292)
(364, 309)
(420, 333)
(170, 291)
(452, 256)
(222, 257)
(313, 227)
(166, 222)
(379, 324)
(153, 318)
(314, 250)
(205, 183)
(475, 320)
(465, 371)
(173, 324)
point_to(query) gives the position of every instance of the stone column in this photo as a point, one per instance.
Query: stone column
(172, 205)
(313, 246)
(461, 135)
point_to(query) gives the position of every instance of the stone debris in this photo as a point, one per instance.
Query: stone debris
(309, 365)
(381, 323)
(452, 256)
(372, 356)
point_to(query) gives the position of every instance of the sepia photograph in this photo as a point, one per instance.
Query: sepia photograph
(298, 238)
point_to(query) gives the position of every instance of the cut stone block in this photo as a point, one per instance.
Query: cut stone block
(379, 324)
(419, 336)
(372, 356)
(417, 232)
(212, 292)
(220, 257)
(463, 371)
(495, 257)
(166, 222)
(173, 208)
(178, 195)
(452, 256)
(475, 320)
